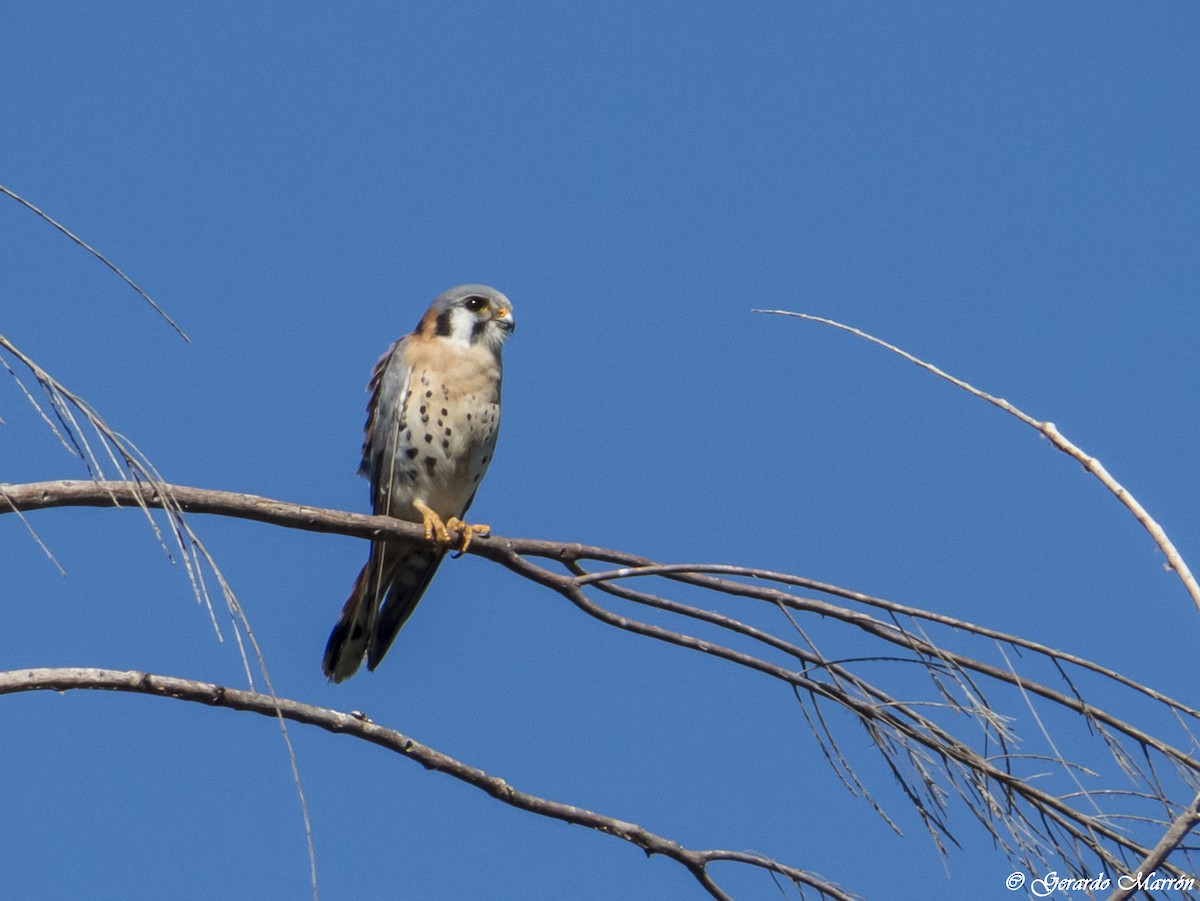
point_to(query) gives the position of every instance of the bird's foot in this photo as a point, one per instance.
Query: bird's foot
(439, 532)
(467, 531)
(435, 529)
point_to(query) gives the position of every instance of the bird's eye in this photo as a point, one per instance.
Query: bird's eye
(475, 304)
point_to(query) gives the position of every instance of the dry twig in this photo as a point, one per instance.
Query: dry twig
(1028, 820)
(357, 726)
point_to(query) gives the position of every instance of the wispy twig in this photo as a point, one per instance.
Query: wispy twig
(1091, 464)
(98, 255)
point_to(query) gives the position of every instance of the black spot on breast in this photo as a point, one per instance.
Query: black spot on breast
(445, 412)
(428, 438)
(430, 464)
(412, 474)
(448, 432)
(445, 444)
(430, 393)
(411, 452)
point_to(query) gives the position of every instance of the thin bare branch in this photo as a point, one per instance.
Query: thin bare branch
(1185, 822)
(98, 255)
(909, 741)
(34, 535)
(1091, 464)
(362, 728)
(129, 460)
(1172, 838)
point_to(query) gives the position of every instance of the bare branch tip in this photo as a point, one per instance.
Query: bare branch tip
(98, 255)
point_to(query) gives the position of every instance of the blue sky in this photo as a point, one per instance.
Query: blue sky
(1008, 190)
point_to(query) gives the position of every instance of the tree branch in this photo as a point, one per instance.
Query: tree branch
(915, 746)
(357, 726)
(98, 255)
(1050, 431)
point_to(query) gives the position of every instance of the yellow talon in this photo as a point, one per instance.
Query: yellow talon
(467, 531)
(433, 524)
(439, 532)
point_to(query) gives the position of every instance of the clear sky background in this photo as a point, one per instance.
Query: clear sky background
(1009, 190)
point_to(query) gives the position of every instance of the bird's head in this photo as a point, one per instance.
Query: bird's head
(469, 315)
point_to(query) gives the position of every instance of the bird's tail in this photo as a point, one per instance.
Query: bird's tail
(348, 641)
(368, 625)
(411, 574)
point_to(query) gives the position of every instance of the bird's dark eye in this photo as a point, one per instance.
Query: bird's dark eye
(475, 304)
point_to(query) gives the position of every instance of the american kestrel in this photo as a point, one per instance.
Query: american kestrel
(431, 430)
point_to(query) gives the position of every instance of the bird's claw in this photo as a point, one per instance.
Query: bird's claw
(435, 529)
(467, 531)
(438, 532)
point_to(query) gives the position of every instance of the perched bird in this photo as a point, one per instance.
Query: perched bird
(431, 430)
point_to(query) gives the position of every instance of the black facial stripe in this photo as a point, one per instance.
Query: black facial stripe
(477, 329)
(443, 324)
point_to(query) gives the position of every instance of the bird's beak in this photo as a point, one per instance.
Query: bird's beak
(504, 319)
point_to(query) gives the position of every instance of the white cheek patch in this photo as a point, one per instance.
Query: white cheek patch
(456, 325)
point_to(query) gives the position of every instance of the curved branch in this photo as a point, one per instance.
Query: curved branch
(901, 733)
(98, 255)
(1050, 431)
(1179, 829)
(357, 726)
(1189, 819)
(509, 552)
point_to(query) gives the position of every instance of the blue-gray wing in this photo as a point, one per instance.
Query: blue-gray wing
(382, 450)
(400, 569)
